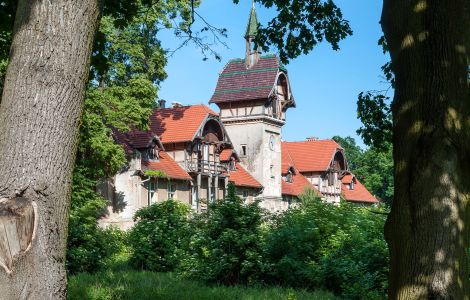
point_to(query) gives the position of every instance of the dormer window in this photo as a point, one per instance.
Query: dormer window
(153, 154)
(351, 185)
(289, 177)
(232, 166)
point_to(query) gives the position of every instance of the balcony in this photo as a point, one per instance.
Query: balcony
(206, 167)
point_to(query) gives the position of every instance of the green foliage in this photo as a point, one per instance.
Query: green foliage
(161, 232)
(227, 246)
(376, 172)
(338, 248)
(375, 112)
(123, 285)
(121, 94)
(300, 25)
(155, 173)
(89, 247)
(373, 109)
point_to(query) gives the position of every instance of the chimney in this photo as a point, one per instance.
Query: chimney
(161, 103)
(312, 138)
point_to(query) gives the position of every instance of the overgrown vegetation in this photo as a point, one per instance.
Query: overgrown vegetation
(160, 237)
(311, 246)
(226, 246)
(337, 248)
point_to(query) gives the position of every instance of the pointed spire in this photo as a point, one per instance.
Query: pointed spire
(252, 26)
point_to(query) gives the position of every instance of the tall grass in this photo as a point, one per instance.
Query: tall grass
(129, 284)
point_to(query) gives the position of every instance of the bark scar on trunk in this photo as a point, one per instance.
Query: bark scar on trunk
(18, 223)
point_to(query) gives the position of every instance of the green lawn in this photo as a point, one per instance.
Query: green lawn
(128, 284)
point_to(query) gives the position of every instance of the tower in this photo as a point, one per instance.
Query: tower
(253, 95)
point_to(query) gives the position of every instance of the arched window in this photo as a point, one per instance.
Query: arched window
(339, 162)
(212, 132)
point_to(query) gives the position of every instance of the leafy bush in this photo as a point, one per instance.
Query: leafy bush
(227, 247)
(161, 232)
(89, 247)
(338, 248)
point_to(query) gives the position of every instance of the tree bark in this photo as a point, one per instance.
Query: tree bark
(427, 229)
(39, 115)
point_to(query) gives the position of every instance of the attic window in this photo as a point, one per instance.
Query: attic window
(289, 177)
(351, 185)
(153, 154)
(232, 165)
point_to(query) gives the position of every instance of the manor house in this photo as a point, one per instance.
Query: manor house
(191, 153)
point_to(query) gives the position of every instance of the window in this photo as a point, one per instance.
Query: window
(289, 177)
(171, 190)
(152, 192)
(232, 165)
(245, 194)
(271, 171)
(194, 200)
(243, 151)
(212, 194)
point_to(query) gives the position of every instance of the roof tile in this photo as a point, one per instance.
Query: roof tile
(241, 177)
(298, 185)
(358, 194)
(308, 156)
(167, 165)
(237, 83)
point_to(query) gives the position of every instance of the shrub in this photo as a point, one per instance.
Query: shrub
(228, 243)
(318, 245)
(158, 238)
(89, 247)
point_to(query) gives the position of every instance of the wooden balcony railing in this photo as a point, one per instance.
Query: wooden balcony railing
(206, 167)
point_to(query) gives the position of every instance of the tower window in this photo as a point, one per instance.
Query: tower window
(243, 150)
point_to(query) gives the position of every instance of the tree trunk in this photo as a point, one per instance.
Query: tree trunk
(427, 229)
(39, 115)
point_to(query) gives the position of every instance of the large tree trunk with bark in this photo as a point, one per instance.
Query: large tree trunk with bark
(427, 229)
(39, 115)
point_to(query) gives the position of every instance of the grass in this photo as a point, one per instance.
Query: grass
(114, 285)
(120, 282)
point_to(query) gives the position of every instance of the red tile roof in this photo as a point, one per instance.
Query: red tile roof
(237, 83)
(240, 177)
(308, 156)
(179, 124)
(167, 165)
(298, 185)
(358, 194)
(172, 125)
(226, 154)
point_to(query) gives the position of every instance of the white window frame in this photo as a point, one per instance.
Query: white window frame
(152, 193)
(171, 190)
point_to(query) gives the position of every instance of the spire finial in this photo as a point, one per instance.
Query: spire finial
(252, 26)
(252, 54)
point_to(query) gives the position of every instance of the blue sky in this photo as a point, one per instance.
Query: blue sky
(325, 83)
